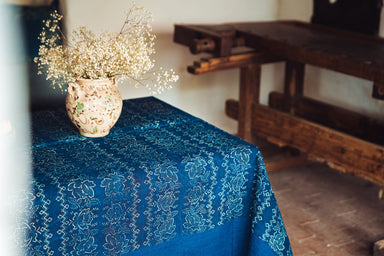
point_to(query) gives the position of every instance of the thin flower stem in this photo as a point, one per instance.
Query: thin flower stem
(124, 55)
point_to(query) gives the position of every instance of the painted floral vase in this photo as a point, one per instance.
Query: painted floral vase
(94, 105)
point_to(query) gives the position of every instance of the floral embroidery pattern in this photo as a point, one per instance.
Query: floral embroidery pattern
(266, 211)
(83, 220)
(198, 200)
(119, 214)
(274, 233)
(165, 202)
(233, 190)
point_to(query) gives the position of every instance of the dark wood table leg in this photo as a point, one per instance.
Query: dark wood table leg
(248, 95)
(294, 84)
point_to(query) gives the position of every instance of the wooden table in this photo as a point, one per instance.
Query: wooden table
(347, 141)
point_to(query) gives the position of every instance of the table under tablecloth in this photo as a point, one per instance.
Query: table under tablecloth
(163, 182)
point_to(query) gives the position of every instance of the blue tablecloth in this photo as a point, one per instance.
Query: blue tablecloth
(162, 182)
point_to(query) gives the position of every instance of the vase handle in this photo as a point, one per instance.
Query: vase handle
(114, 80)
(74, 90)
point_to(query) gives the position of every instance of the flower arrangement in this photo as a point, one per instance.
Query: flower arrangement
(125, 54)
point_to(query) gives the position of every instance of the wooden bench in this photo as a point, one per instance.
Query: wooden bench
(345, 140)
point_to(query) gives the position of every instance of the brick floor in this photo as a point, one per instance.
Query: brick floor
(327, 212)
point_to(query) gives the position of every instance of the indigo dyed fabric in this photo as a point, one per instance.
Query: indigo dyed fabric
(162, 182)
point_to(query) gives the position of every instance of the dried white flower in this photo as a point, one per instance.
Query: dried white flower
(89, 55)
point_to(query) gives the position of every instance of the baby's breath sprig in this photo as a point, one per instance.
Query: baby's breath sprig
(124, 54)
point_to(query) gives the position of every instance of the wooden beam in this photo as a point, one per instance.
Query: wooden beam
(207, 65)
(232, 108)
(349, 154)
(340, 151)
(334, 117)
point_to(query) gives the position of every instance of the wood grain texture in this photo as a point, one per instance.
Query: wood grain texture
(345, 140)
(249, 95)
(339, 150)
(207, 65)
(347, 52)
(344, 120)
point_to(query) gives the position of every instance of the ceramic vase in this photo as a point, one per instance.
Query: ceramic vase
(94, 105)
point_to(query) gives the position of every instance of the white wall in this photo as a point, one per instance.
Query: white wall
(335, 88)
(204, 95)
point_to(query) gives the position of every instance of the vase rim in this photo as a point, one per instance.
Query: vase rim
(92, 79)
